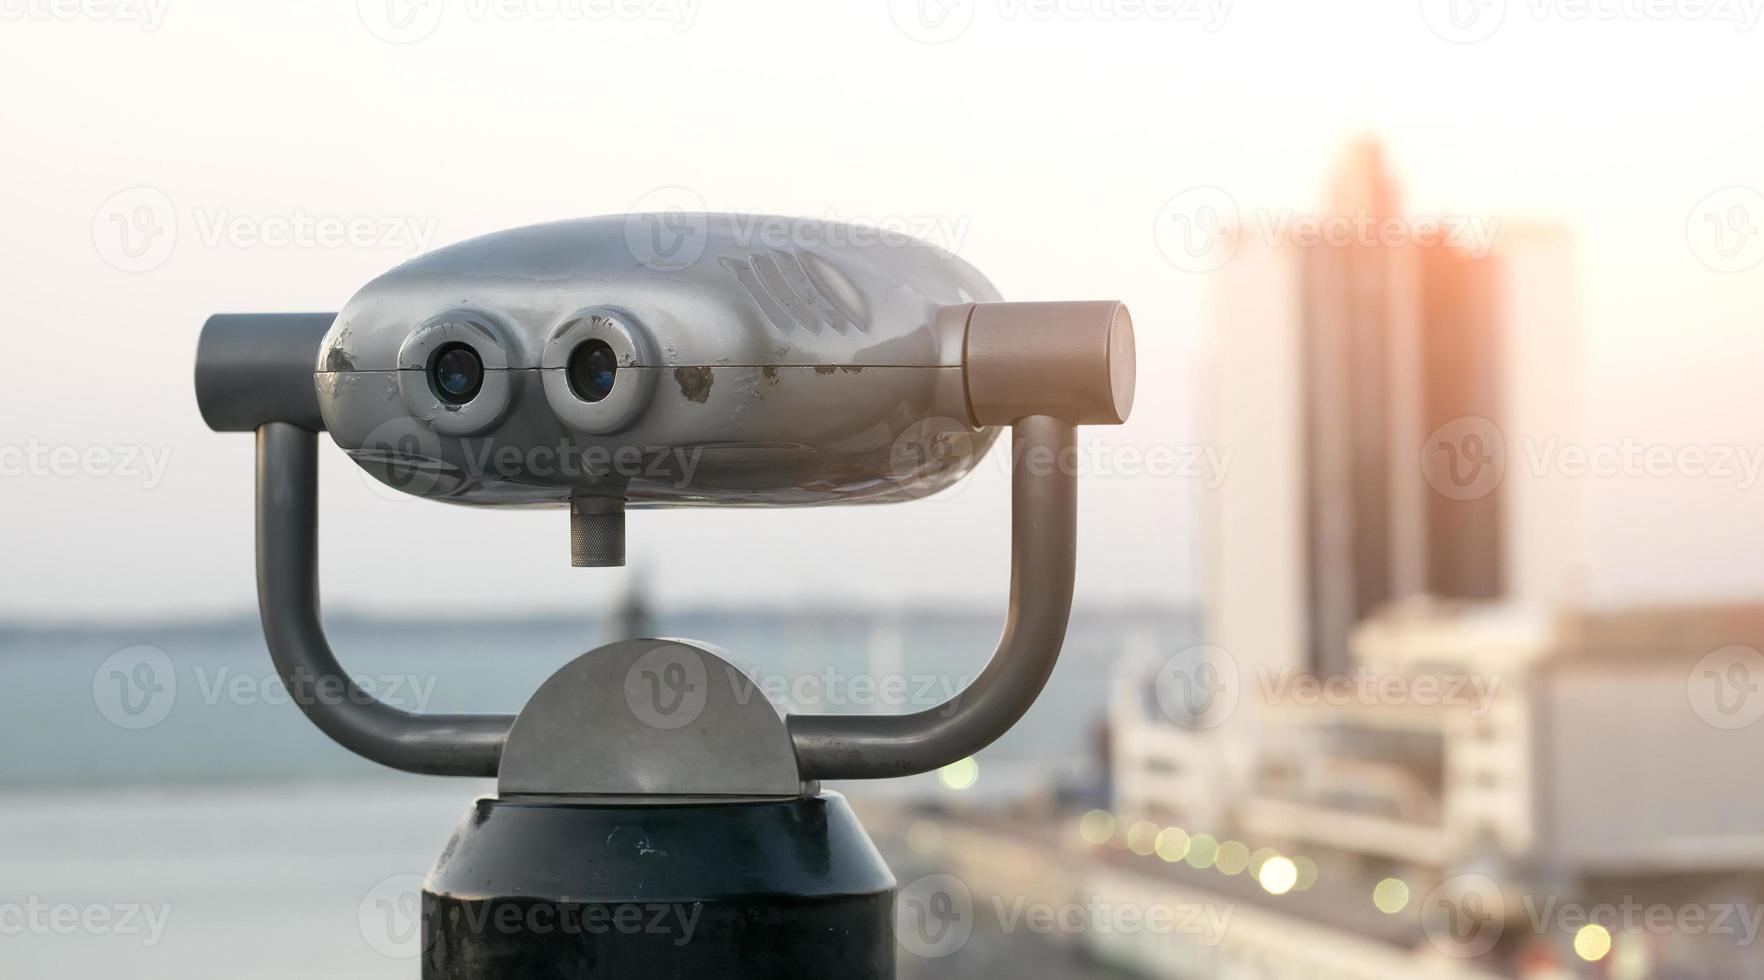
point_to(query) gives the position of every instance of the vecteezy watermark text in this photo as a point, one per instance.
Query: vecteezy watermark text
(407, 456)
(1467, 457)
(35, 917)
(390, 917)
(834, 688)
(570, 460)
(935, 917)
(1206, 464)
(150, 14)
(38, 460)
(669, 228)
(1364, 686)
(1201, 687)
(410, 21)
(669, 687)
(299, 228)
(137, 687)
(1471, 21)
(940, 21)
(1201, 228)
(678, 920)
(1549, 913)
(137, 229)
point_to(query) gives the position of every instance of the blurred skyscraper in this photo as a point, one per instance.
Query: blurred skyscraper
(1373, 380)
(1377, 377)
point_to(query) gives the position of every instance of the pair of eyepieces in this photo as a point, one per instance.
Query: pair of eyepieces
(456, 372)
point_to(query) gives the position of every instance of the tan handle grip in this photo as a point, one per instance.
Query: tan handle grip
(1071, 361)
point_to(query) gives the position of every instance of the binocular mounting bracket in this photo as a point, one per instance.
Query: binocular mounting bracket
(669, 719)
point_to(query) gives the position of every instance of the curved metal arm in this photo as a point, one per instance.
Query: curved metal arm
(287, 598)
(1044, 505)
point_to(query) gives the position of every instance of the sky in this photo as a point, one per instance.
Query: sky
(167, 159)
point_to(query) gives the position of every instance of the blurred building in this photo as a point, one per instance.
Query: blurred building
(1586, 759)
(1399, 680)
(1347, 372)
(1576, 746)
(1332, 365)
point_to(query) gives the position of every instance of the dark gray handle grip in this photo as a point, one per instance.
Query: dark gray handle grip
(255, 368)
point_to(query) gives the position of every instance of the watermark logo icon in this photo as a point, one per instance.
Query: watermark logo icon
(932, 21)
(391, 916)
(400, 21)
(135, 230)
(666, 229)
(1726, 687)
(401, 460)
(1464, 916)
(1726, 229)
(928, 452)
(135, 687)
(1199, 687)
(667, 687)
(1465, 458)
(1195, 230)
(1464, 21)
(934, 916)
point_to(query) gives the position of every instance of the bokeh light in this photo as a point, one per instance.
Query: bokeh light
(1277, 875)
(1307, 873)
(1142, 837)
(960, 775)
(1592, 942)
(1172, 844)
(1233, 858)
(1096, 827)
(1203, 850)
(1391, 896)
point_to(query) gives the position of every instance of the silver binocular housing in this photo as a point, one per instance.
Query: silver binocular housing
(669, 360)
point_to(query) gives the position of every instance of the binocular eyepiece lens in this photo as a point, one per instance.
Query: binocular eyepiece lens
(456, 372)
(592, 370)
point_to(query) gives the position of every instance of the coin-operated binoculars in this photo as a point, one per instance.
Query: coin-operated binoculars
(652, 817)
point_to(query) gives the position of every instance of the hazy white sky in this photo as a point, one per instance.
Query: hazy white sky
(1040, 140)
